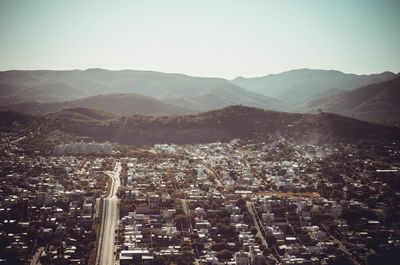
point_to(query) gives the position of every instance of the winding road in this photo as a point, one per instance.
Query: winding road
(110, 219)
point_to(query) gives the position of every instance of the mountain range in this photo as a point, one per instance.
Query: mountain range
(295, 87)
(120, 104)
(198, 93)
(367, 97)
(379, 103)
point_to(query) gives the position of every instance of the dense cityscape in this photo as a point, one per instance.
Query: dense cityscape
(243, 202)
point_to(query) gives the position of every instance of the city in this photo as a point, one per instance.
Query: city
(242, 202)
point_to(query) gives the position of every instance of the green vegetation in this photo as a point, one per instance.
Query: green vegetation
(219, 125)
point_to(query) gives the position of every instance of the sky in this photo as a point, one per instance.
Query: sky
(223, 38)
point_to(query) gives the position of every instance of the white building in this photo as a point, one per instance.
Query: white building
(82, 148)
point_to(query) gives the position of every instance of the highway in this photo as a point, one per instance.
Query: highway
(110, 219)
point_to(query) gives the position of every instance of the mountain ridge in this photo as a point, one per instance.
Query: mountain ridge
(379, 103)
(296, 86)
(218, 125)
(47, 85)
(120, 104)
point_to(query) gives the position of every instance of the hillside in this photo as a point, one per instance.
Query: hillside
(51, 86)
(297, 86)
(378, 103)
(11, 121)
(120, 104)
(219, 125)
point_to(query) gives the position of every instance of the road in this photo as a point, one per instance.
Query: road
(341, 245)
(18, 140)
(257, 223)
(111, 219)
(250, 208)
(186, 210)
(35, 259)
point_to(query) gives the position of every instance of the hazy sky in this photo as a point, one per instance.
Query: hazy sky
(202, 38)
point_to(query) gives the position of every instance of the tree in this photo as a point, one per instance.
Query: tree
(185, 258)
(159, 260)
(127, 206)
(253, 230)
(12, 257)
(282, 172)
(224, 255)
(227, 231)
(335, 178)
(336, 194)
(197, 247)
(181, 221)
(241, 202)
(340, 259)
(219, 246)
(318, 217)
(271, 239)
(121, 192)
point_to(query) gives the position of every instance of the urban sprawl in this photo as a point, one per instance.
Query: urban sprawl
(243, 202)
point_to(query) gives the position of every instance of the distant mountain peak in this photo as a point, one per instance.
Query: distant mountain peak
(298, 85)
(57, 86)
(377, 103)
(96, 70)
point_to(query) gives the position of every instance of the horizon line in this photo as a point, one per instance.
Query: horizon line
(200, 76)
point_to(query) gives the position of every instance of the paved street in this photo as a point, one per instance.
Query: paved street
(36, 257)
(111, 219)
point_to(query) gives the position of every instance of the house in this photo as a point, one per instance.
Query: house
(168, 213)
